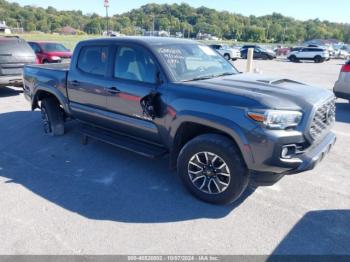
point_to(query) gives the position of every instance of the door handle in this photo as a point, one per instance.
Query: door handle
(75, 83)
(113, 90)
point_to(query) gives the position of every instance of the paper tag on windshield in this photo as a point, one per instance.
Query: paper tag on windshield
(207, 50)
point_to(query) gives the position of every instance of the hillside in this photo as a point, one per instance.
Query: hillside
(177, 18)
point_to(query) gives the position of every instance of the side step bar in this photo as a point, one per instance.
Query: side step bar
(121, 141)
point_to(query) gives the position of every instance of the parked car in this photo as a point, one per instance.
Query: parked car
(227, 52)
(341, 52)
(342, 86)
(319, 55)
(51, 52)
(282, 51)
(259, 52)
(14, 54)
(176, 97)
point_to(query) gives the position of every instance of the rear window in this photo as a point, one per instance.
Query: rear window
(93, 60)
(54, 47)
(15, 46)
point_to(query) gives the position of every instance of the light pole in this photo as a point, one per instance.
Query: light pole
(106, 5)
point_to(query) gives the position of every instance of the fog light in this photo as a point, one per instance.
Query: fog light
(288, 151)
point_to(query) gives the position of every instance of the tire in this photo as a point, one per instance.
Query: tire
(217, 150)
(227, 57)
(266, 57)
(52, 117)
(293, 59)
(318, 59)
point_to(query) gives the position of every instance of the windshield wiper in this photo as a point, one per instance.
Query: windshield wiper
(199, 78)
(208, 77)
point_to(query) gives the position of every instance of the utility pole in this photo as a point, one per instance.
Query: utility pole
(106, 5)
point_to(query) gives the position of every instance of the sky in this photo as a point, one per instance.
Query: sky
(335, 10)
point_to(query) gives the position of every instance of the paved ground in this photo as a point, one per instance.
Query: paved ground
(60, 197)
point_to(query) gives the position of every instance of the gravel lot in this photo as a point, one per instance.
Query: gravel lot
(59, 197)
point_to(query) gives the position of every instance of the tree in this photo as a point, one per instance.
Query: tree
(177, 17)
(93, 27)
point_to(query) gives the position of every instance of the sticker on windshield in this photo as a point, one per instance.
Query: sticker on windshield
(207, 50)
(172, 55)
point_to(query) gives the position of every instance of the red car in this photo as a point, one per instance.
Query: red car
(51, 52)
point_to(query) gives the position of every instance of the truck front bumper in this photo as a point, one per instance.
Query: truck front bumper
(267, 152)
(314, 154)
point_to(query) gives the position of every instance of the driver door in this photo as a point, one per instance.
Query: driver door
(133, 78)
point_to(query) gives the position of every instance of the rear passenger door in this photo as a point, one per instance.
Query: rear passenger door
(134, 77)
(304, 53)
(87, 82)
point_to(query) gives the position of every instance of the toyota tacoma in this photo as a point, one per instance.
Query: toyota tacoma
(161, 97)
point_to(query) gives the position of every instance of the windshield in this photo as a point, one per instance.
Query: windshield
(190, 62)
(54, 47)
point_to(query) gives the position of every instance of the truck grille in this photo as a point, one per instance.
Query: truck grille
(324, 118)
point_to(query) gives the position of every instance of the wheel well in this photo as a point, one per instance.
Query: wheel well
(42, 95)
(186, 132)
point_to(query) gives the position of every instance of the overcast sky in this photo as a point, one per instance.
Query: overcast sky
(335, 10)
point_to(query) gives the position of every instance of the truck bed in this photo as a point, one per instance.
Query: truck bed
(58, 66)
(48, 76)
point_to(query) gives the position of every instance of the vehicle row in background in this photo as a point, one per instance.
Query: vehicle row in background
(51, 52)
(15, 53)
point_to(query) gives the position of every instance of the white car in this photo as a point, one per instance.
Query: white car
(317, 54)
(342, 86)
(227, 52)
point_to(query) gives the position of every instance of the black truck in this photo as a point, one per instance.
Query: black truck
(178, 98)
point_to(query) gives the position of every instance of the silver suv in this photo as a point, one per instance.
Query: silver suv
(227, 52)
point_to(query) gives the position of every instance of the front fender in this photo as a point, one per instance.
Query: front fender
(226, 126)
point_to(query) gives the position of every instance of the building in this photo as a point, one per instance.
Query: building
(67, 30)
(157, 33)
(4, 29)
(322, 42)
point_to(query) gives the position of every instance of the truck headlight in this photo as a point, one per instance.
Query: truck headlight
(277, 119)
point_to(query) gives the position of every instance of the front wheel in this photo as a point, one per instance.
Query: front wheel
(212, 169)
(227, 57)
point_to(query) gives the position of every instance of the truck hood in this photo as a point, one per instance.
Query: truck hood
(270, 92)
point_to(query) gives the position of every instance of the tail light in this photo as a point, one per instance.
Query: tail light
(346, 68)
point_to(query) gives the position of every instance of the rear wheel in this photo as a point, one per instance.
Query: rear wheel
(318, 59)
(212, 169)
(52, 117)
(293, 58)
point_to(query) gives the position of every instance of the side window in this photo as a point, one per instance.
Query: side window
(93, 60)
(135, 64)
(35, 47)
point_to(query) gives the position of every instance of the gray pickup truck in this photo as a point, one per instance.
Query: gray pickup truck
(169, 97)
